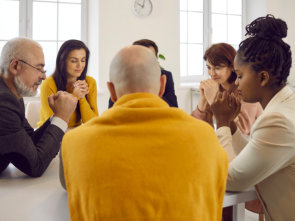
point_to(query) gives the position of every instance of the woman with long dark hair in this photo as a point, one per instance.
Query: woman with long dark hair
(70, 75)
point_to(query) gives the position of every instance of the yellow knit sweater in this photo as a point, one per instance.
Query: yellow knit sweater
(87, 105)
(144, 161)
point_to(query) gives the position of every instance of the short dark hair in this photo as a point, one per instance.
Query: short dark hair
(147, 43)
(60, 75)
(265, 49)
(222, 54)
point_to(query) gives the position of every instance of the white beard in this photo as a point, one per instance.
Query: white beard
(22, 89)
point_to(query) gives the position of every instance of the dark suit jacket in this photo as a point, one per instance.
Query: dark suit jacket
(28, 150)
(169, 94)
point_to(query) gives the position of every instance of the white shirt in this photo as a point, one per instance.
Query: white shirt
(59, 123)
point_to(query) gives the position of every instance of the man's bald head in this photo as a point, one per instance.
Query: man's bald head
(135, 69)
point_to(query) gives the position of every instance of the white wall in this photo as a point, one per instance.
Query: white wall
(283, 9)
(112, 25)
(118, 27)
(255, 9)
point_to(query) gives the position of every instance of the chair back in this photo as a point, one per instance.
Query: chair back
(33, 113)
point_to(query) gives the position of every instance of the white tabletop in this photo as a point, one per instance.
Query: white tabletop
(34, 199)
(234, 198)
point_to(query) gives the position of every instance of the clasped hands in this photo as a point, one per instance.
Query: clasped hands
(63, 104)
(80, 89)
(224, 106)
(208, 90)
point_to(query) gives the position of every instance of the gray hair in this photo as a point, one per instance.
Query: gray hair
(15, 48)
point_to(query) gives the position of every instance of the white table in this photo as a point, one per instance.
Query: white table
(237, 200)
(33, 199)
(43, 199)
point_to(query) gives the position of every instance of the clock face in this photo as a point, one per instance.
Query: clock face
(142, 8)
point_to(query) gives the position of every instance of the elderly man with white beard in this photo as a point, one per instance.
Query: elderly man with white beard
(21, 72)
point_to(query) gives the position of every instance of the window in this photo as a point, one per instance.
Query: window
(202, 23)
(9, 20)
(50, 22)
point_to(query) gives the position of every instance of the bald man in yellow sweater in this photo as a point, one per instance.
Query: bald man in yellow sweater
(142, 160)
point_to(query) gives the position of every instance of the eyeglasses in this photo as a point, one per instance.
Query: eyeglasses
(38, 69)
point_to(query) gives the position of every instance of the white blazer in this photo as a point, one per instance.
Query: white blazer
(267, 159)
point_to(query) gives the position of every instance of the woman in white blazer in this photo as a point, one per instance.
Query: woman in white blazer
(267, 159)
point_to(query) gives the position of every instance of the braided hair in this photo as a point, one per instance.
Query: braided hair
(265, 49)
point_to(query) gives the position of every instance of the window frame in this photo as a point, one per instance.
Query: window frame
(25, 21)
(26, 18)
(207, 40)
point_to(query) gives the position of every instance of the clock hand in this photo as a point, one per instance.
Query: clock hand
(140, 5)
(143, 3)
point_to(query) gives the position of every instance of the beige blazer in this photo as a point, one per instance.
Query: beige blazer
(267, 159)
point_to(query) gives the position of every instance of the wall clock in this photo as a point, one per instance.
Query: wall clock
(142, 8)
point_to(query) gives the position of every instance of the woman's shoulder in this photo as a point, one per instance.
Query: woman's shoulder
(90, 80)
(49, 82)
